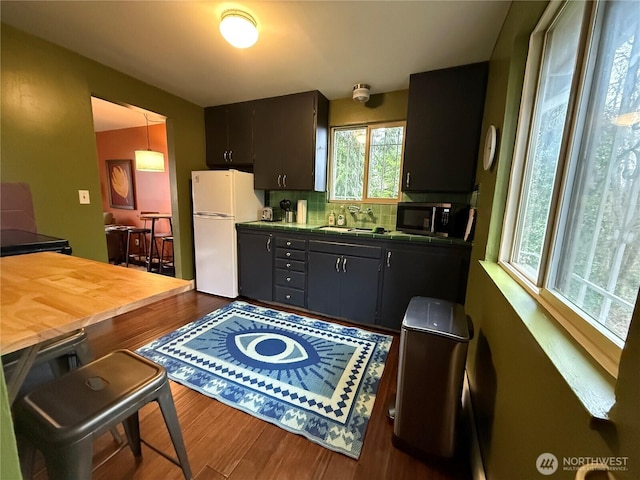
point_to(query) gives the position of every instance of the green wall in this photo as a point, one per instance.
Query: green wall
(48, 140)
(522, 404)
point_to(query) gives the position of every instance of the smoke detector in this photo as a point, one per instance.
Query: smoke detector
(361, 92)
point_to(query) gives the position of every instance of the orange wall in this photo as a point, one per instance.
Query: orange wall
(151, 188)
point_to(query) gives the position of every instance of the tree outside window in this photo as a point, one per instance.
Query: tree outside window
(366, 162)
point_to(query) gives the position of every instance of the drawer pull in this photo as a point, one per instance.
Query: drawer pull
(288, 265)
(288, 244)
(288, 297)
(288, 279)
(288, 254)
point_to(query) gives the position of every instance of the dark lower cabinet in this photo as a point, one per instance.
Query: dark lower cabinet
(361, 280)
(439, 272)
(343, 283)
(255, 265)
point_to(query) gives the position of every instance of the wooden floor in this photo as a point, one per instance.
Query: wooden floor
(225, 443)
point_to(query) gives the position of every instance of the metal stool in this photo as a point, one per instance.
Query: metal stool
(62, 353)
(102, 394)
(141, 234)
(168, 239)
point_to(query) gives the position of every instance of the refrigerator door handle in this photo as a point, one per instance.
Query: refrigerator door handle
(212, 215)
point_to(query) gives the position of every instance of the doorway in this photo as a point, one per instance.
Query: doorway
(129, 190)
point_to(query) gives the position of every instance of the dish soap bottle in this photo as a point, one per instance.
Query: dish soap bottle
(332, 219)
(342, 220)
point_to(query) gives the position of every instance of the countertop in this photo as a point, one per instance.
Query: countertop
(317, 229)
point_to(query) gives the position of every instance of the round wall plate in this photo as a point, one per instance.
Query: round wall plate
(489, 147)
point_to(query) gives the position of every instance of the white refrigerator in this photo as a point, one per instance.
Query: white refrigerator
(221, 198)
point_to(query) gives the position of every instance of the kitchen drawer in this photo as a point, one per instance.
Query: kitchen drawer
(291, 243)
(290, 279)
(337, 248)
(290, 254)
(290, 296)
(291, 265)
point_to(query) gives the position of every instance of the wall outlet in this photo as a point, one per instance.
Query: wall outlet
(84, 197)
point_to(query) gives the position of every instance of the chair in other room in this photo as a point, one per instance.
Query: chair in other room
(62, 418)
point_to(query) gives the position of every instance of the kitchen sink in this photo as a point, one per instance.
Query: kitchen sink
(334, 229)
(346, 229)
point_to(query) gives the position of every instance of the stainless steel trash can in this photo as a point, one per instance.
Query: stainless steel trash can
(433, 351)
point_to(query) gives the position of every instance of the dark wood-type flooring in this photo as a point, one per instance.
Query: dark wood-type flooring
(225, 443)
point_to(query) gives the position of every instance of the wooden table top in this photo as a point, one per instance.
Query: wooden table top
(151, 216)
(44, 295)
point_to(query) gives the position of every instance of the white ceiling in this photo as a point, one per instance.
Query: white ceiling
(303, 45)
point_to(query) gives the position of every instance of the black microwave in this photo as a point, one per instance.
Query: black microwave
(438, 219)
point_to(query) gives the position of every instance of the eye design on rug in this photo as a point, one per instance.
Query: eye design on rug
(271, 348)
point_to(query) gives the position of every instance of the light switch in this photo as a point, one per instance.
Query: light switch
(84, 197)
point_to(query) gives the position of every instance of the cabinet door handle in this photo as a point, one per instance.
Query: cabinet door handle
(231, 155)
(388, 258)
(224, 155)
(338, 264)
(344, 264)
(279, 180)
(288, 244)
(284, 180)
(269, 244)
(408, 178)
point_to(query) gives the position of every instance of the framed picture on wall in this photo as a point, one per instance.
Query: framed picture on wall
(121, 185)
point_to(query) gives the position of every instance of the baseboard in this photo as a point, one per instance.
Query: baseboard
(475, 460)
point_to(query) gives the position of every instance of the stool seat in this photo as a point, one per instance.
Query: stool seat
(61, 418)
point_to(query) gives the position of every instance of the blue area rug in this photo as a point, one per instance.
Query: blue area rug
(310, 377)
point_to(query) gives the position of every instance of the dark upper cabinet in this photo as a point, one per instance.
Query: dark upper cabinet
(255, 265)
(290, 142)
(431, 271)
(444, 121)
(229, 135)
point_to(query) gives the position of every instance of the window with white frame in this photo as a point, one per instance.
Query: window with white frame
(366, 162)
(572, 229)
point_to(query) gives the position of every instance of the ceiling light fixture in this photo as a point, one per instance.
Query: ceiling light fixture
(238, 28)
(148, 160)
(361, 92)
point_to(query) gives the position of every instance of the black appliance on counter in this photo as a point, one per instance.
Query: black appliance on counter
(438, 219)
(18, 242)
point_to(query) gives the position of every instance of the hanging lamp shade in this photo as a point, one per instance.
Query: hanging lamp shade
(148, 160)
(238, 28)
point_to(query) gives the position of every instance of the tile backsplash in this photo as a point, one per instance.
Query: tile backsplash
(381, 215)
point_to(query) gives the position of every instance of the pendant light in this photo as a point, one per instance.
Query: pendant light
(148, 160)
(238, 28)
